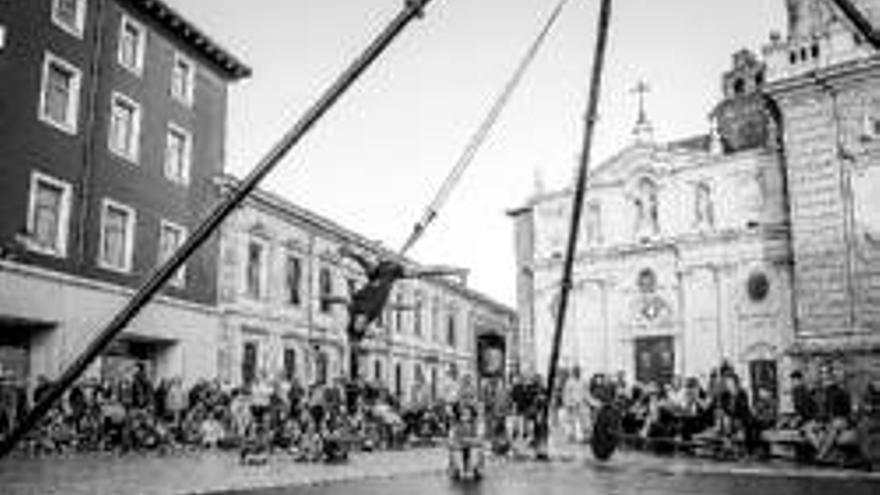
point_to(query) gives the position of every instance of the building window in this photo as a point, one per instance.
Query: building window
(322, 367)
(647, 209)
(289, 364)
(325, 284)
(178, 152)
(377, 370)
(450, 329)
(171, 237)
(647, 281)
(593, 225)
(704, 210)
(117, 236)
(417, 314)
(255, 269)
(183, 77)
(132, 45)
(435, 320)
(59, 94)
(48, 215)
(250, 353)
(70, 15)
(758, 286)
(398, 312)
(125, 127)
(293, 279)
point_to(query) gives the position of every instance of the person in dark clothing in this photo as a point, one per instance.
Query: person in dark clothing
(368, 302)
(834, 411)
(804, 406)
(295, 395)
(141, 388)
(736, 416)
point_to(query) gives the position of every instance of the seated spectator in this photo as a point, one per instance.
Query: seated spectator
(694, 408)
(835, 408)
(764, 418)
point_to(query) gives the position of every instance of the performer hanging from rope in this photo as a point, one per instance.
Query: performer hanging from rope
(368, 302)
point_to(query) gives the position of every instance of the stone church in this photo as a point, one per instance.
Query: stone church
(744, 244)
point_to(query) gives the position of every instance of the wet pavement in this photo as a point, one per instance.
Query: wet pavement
(418, 471)
(592, 478)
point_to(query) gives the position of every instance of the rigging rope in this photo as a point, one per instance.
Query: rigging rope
(479, 137)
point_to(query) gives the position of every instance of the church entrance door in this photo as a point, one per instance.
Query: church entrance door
(655, 359)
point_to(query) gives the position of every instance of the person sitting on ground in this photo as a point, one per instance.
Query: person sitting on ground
(835, 413)
(693, 410)
(764, 418)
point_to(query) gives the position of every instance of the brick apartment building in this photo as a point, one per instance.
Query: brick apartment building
(112, 127)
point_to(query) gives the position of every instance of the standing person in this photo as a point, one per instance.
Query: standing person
(574, 405)
(176, 406)
(736, 414)
(141, 389)
(537, 423)
(295, 395)
(261, 393)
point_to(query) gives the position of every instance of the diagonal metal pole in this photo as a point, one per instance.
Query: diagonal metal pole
(577, 207)
(412, 10)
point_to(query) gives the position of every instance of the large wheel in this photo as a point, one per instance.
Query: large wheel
(606, 433)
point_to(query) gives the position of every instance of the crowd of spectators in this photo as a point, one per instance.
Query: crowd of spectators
(824, 421)
(135, 414)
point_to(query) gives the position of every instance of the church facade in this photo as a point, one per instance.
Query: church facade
(684, 258)
(755, 244)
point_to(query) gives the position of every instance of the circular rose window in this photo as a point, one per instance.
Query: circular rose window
(758, 286)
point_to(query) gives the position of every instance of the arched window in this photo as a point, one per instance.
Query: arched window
(647, 209)
(398, 380)
(321, 367)
(704, 210)
(377, 370)
(593, 224)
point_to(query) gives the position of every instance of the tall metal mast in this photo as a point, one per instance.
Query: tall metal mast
(577, 204)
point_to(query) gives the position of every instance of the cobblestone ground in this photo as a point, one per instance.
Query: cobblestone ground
(193, 473)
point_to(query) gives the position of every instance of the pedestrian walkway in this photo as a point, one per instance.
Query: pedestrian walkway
(197, 472)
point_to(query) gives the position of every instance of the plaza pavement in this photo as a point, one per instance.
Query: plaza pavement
(210, 472)
(197, 472)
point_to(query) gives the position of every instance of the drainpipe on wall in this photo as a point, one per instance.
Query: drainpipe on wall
(311, 351)
(91, 141)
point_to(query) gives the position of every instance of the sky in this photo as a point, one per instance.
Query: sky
(376, 160)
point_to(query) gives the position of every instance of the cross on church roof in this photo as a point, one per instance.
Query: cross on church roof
(643, 130)
(641, 89)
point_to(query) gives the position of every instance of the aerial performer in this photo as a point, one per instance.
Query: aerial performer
(369, 301)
